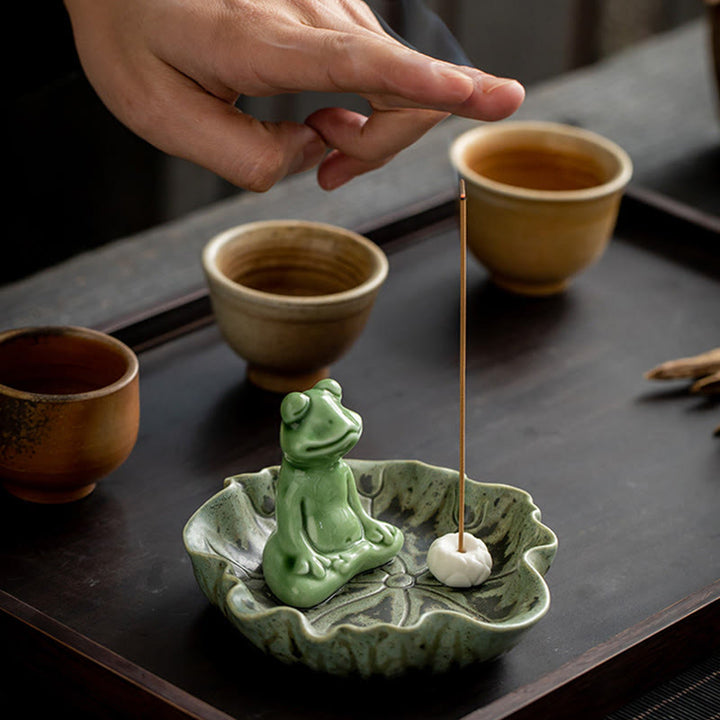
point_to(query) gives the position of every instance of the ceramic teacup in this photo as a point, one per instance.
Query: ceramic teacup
(69, 410)
(542, 200)
(291, 296)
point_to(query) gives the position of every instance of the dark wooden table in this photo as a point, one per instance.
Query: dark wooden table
(99, 610)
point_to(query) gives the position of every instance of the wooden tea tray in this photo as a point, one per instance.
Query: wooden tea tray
(99, 610)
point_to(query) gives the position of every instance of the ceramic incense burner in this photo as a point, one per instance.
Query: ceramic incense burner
(324, 536)
(397, 617)
(282, 552)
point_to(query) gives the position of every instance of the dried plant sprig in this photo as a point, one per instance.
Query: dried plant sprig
(697, 366)
(708, 385)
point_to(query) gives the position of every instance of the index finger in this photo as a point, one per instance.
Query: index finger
(391, 74)
(377, 66)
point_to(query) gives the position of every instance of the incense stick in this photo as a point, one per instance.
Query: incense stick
(463, 352)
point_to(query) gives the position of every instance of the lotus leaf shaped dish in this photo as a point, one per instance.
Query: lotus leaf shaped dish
(396, 617)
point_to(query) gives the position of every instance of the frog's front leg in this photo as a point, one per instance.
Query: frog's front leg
(376, 531)
(293, 540)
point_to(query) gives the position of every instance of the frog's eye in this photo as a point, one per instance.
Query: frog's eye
(332, 386)
(294, 407)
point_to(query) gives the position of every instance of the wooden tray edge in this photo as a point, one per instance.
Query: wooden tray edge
(63, 663)
(611, 674)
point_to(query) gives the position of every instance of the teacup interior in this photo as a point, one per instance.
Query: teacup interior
(59, 364)
(542, 161)
(296, 262)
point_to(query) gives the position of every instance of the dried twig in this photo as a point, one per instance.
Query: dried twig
(697, 366)
(703, 369)
(708, 385)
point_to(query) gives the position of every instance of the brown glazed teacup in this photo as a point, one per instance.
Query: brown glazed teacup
(542, 200)
(291, 296)
(69, 410)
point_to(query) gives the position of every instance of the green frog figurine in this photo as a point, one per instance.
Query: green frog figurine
(324, 537)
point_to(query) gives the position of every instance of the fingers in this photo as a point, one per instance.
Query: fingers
(363, 144)
(171, 71)
(494, 98)
(261, 48)
(337, 169)
(408, 91)
(251, 154)
(374, 65)
(174, 113)
(388, 74)
(373, 138)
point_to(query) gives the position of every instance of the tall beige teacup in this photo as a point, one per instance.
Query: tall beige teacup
(542, 200)
(292, 296)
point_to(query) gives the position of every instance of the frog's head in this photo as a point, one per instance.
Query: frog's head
(316, 429)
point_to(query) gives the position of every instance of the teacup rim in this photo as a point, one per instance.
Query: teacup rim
(131, 372)
(371, 284)
(615, 184)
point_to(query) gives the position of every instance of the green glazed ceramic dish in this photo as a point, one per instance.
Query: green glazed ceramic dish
(396, 617)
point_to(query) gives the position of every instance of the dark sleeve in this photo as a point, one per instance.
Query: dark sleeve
(413, 24)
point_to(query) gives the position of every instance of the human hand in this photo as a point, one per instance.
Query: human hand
(171, 71)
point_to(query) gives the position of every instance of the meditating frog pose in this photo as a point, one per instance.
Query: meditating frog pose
(324, 536)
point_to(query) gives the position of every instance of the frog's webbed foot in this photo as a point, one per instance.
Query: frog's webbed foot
(380, 533)
(312, 564)
(341, 563)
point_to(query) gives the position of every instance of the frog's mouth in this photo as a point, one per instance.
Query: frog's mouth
(347, 439)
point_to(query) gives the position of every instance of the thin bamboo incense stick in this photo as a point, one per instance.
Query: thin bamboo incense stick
(463, 352)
